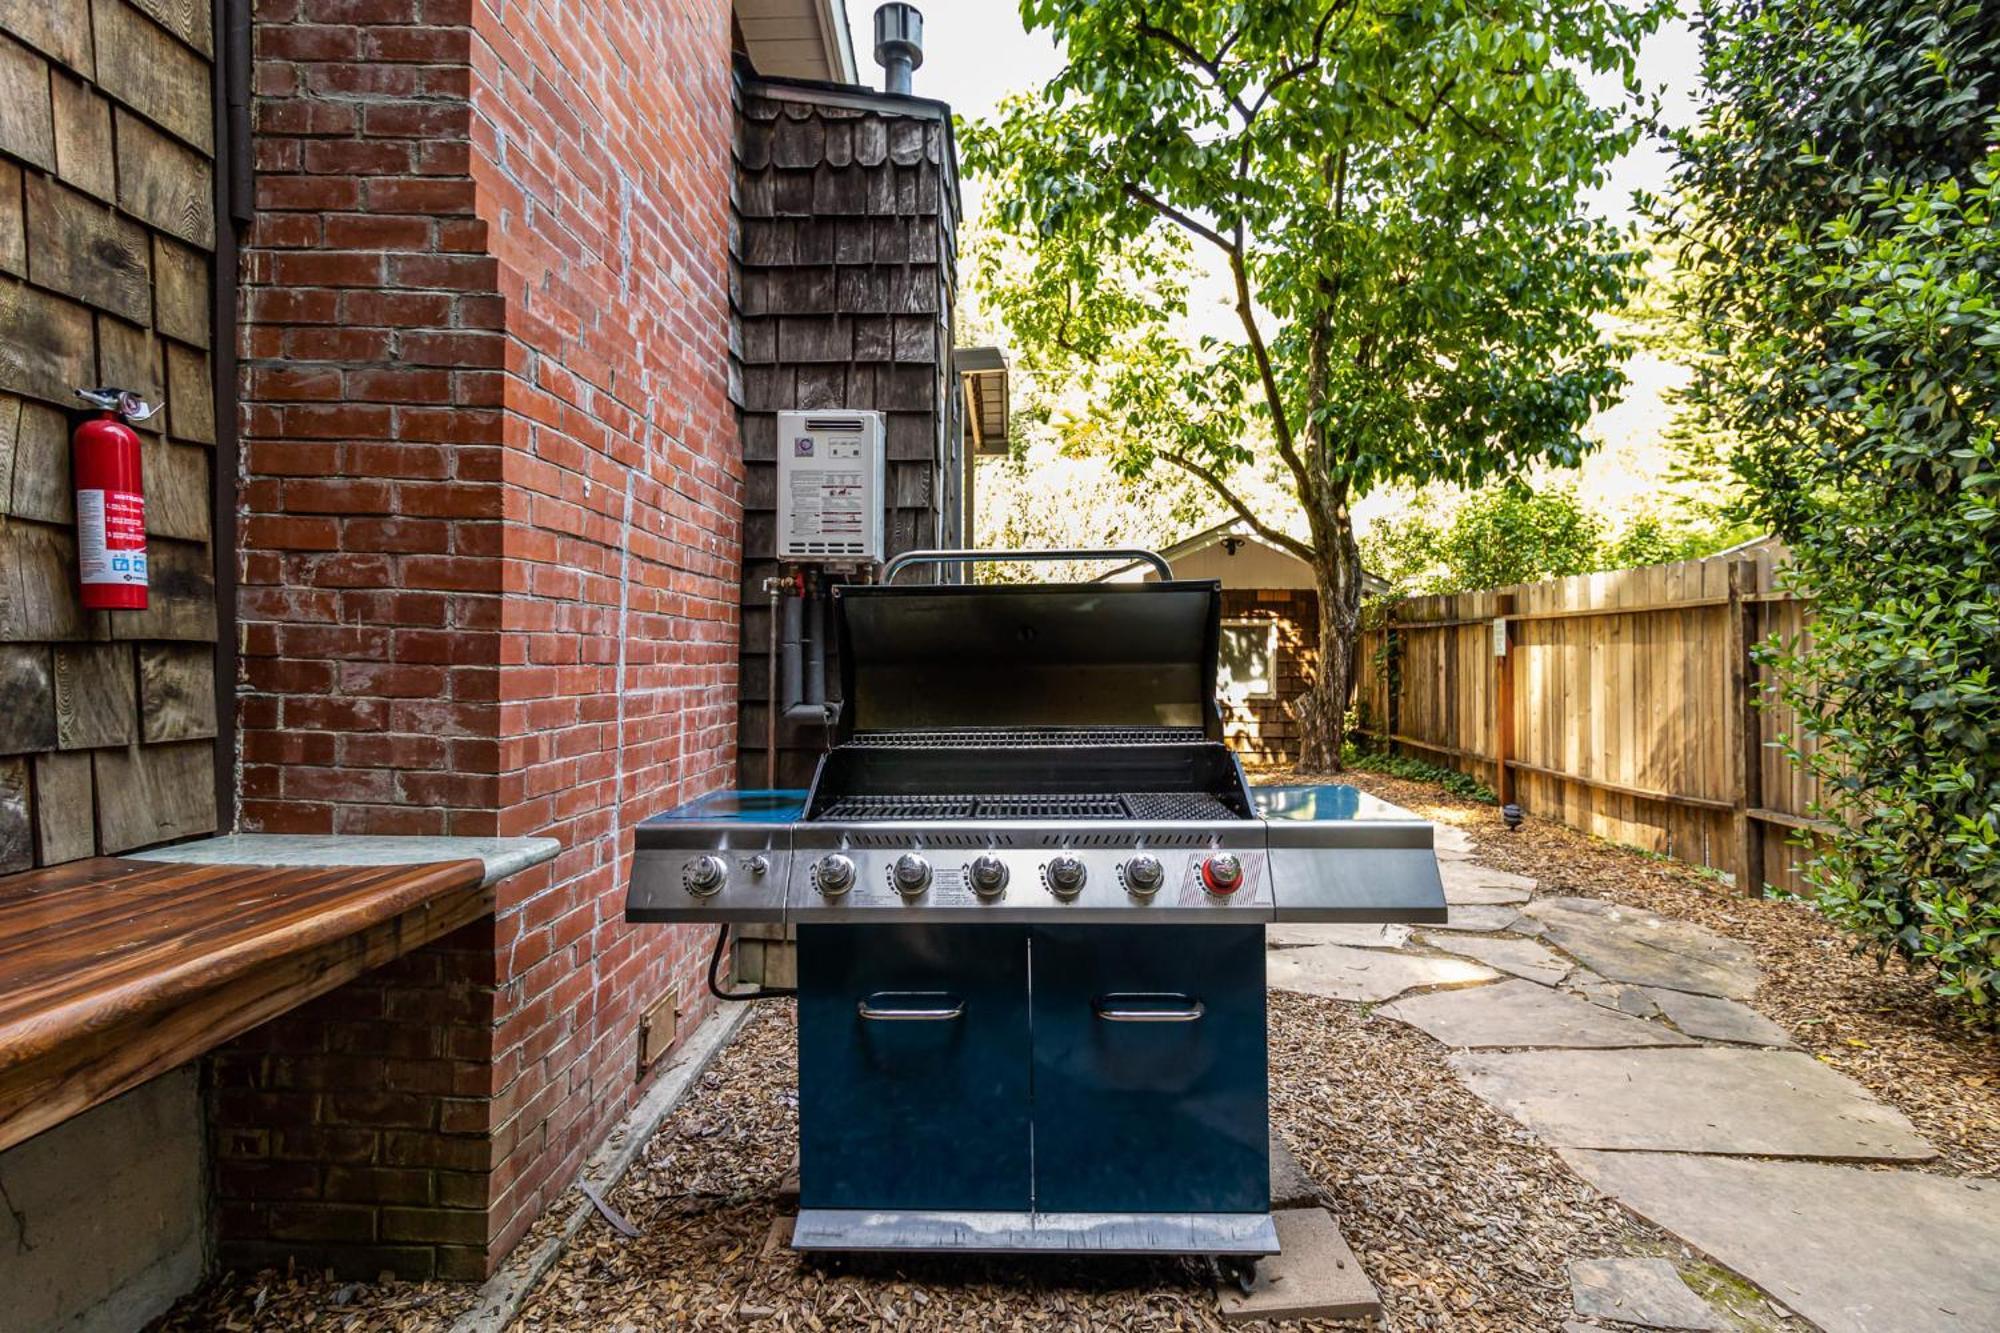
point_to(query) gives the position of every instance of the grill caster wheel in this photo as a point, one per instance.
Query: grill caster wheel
(1235, 1269)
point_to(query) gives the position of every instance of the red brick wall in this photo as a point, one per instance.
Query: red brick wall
(601, 153)
(491, 532)
(371, 492)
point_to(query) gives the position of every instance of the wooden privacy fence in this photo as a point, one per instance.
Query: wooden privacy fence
(1624, 704)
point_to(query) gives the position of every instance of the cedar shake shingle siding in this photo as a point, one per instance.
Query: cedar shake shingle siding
(844, 288)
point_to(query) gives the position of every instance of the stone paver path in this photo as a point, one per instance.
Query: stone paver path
(1365, 976)
(1699, 1099)
(1520, 1013)
(1873, 1251)
(1621, 1039)
(1647, 1292)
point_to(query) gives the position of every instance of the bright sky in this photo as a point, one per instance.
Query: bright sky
(976, 52)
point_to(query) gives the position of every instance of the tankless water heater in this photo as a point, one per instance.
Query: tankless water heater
(832, 483)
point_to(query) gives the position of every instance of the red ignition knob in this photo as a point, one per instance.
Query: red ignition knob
(1222, 874)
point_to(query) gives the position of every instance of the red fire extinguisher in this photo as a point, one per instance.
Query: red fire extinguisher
(110, 502)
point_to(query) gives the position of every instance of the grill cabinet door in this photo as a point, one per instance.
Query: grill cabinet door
(1139, 1106)
(913, 1067)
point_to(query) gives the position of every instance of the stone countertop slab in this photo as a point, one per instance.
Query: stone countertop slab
(1852, 1250)
(1692, 1099)
(501, 856)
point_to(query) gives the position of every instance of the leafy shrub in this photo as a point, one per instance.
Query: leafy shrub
(1843, 216)
(1360, 760)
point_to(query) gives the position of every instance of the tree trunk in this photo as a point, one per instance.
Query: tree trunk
(1322, 710)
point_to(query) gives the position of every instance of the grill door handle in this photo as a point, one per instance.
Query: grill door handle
(1148, 1007)
(910, 1006)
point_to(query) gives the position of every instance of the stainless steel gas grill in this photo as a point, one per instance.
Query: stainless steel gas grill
(1030, 886)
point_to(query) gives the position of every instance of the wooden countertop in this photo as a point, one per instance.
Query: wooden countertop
(115, 970)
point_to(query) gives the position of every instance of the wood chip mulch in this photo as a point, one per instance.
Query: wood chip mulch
(1881, 1026)
(277, 1302)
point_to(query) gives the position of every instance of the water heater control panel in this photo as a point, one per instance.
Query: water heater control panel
(832, 484)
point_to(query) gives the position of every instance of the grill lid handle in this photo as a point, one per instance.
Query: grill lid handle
(963, 557)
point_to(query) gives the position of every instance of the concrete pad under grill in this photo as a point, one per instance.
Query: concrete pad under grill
(1364, 975)
(1648, 1292)
(1520, 1013)
(1624, 944)
(1290, 1186)
(1696, 1099)
(1715, 1019)
(1852, 1250)
(1522, 958)
(1297, 934)
(1316, 1276)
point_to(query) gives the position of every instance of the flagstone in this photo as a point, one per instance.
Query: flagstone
(1364, 975)
(1521, 1013)
(1481, 917)
(1623, 944)
(1295, 934)
(1700, 1099)
(1852, 1250)
(1470, 882)
(1522, 958)
(1716, 1019)
(1648, 1292)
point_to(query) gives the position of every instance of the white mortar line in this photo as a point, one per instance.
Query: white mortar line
(504, 1294)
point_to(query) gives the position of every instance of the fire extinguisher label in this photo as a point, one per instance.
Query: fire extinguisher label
(111, 537)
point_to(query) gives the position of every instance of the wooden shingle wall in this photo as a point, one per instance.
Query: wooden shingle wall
(844, 287)
(107, 234)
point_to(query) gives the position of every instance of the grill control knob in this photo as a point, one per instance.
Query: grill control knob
(1144, 875)
(1222, 874)
(704, 875)
(912, 874)
(1066, 875)
(988, 875)
(834, 875)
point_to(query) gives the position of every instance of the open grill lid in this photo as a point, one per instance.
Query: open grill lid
(1042, 655)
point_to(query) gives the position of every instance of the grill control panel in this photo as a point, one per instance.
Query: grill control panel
(1027, 871)
(1042, 872)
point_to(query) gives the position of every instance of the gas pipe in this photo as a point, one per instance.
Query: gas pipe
(110, 502)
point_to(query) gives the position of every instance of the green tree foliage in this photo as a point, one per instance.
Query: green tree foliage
(1840, 205)
(1499, 536)
(1514, 534)
(1392, 190)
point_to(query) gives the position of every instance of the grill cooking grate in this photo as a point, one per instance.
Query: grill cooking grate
(1129, 805)
(1026, 738)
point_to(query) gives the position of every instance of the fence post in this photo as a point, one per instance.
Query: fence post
(1392, 677)
(1503, 697)
(1745, 750)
